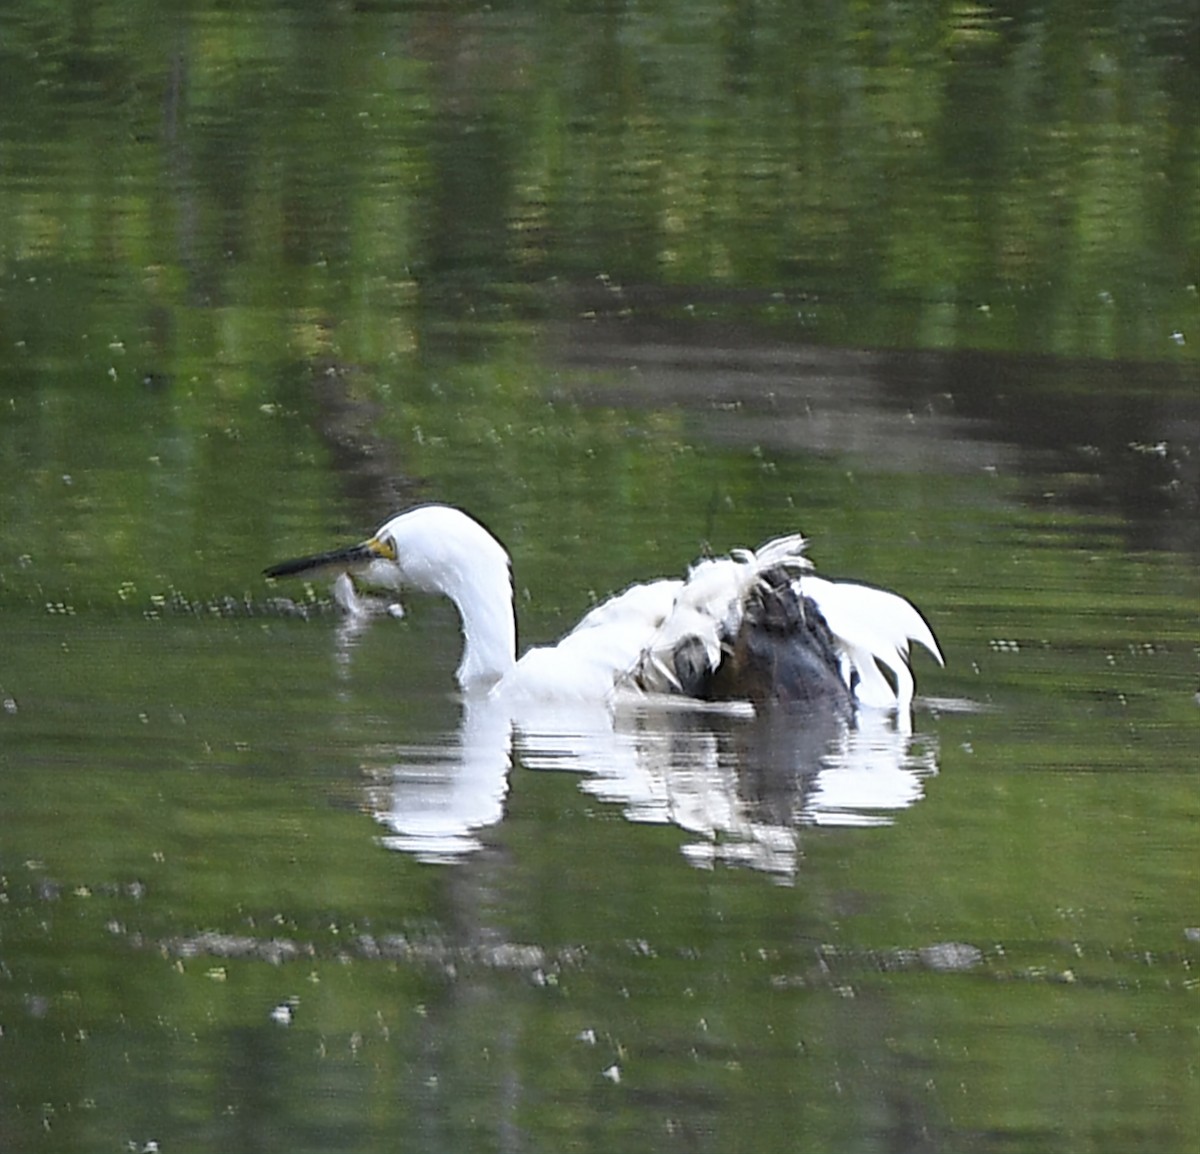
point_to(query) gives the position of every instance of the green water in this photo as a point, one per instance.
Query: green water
(631, 286)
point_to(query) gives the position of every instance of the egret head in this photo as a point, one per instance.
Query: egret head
(435, 549)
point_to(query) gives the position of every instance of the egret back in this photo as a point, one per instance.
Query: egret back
(588, 662)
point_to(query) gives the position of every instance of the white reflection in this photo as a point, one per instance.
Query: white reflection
(743, 786)
(442, 795)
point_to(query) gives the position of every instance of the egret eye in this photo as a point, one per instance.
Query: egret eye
(383, 546)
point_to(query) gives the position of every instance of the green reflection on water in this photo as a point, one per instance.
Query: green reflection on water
(877, 179)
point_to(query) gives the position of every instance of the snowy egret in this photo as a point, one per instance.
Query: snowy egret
(756, 625)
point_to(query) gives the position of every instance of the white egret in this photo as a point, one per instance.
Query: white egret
(756, 625)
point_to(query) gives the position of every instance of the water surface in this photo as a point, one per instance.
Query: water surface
(632, 287)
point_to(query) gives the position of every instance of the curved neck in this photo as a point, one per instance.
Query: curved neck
(485, 605)
(477, 578)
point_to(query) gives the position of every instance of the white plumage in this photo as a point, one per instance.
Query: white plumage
(667, 636)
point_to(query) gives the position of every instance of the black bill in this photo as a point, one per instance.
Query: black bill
(350, 557)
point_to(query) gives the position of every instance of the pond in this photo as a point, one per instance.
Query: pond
(633, 288)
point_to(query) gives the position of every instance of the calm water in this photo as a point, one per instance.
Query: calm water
(631, 288)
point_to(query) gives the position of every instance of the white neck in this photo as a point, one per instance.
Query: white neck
(489, 626)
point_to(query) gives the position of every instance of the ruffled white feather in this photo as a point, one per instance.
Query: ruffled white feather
(708, 608)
